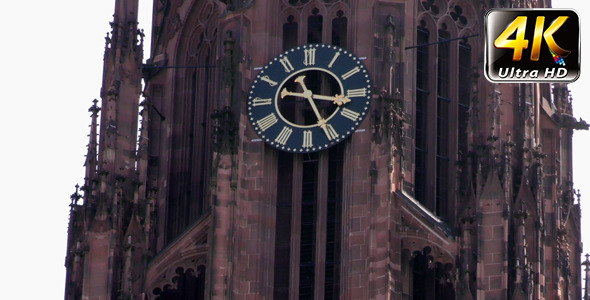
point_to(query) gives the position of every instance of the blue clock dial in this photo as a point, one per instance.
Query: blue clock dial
(309, 98)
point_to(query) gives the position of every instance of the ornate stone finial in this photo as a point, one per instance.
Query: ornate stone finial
(75, 197)
(108, 41)
(141, 36)
(94, 109)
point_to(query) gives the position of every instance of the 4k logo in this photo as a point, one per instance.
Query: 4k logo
(525, 45)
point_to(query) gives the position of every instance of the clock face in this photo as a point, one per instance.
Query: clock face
(309, 98)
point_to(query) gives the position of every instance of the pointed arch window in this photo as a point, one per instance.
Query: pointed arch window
(290, 33)
(315, 24)
(339, 28)
(421, 129)
(187, 191)
(442, 123)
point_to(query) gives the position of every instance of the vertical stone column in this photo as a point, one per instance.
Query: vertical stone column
(491, 267)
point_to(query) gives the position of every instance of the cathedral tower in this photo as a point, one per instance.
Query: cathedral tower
(322, 149)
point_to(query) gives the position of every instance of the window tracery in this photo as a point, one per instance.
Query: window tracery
(445, 92)
(191, 129)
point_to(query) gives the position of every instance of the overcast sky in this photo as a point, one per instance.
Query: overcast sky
(51, 71)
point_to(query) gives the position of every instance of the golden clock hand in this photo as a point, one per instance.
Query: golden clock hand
(301, 82)
(308, 95)
(285, 93)
(338, 99)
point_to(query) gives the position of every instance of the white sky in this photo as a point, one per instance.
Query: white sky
(51, 71)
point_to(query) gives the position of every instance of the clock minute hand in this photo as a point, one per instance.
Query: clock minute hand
(338, 99)
(285, 93)
(308, 95)
(300, 80)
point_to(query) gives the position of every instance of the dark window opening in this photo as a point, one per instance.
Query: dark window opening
(443, 63)
(334, 221)
(339, 28)
(290, 40)
(290, 33)
(308, 227)
(314, 27)
(423, 281)
(431, 281)
(442, 125)
(421, 115)
(442, 157)
(187, 198)
(283, 226)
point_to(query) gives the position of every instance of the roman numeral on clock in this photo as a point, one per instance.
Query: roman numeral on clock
(330, 132)
(351, 72)
(309, 57)
(267, 122)
(351, 114)
(267, 79)
(284, 135)
(356, 93)
(333, 59)
(259, 101)
(307, 139)
(286, 64)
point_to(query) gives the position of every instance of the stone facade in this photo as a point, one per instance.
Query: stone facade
(452, 187)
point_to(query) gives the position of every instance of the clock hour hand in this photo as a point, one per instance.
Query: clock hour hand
(300, 80)
(338, 99)
(285, 93)
(307, 94)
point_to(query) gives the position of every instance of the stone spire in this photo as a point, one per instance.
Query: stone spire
(91, 156)
(121, 88)
(111, 159)
(91, 162)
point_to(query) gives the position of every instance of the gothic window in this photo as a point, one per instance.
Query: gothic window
(314, 27)
(283, 228)
(307, 257)
(309, 187)
(443, 62)
(290, 33)
(334, 222)
(339, 27)
(443, 94)
(190, 152)
(422, 91)
(442, 123)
